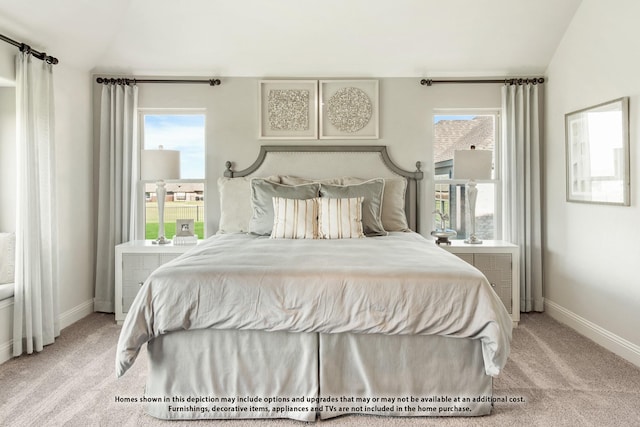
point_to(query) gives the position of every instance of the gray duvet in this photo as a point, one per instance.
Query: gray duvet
(396, 284)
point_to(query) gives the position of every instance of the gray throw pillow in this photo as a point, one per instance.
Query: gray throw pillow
(262, 194)
(371, 191)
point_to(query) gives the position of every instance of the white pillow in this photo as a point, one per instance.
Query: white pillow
(235, 204)
(7, 257)
(340, 218)
(295, 218)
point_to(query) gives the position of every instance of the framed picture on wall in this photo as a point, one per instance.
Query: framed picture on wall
(597, 153)
(288, 109)
(349, 109)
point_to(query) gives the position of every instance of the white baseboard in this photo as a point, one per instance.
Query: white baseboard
(610, 341)
(67, 318)
(6, 346)
(6, 351)
(71, 316)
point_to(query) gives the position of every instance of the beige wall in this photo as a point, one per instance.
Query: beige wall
(591, 251)
(75, 180)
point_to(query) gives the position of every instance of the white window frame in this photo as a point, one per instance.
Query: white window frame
(497, 161)
(142, 112)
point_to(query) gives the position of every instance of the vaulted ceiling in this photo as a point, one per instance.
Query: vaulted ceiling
(275, 38)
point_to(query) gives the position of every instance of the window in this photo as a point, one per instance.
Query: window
(458, 132)
(182, 130)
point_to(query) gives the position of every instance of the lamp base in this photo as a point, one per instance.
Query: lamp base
(473, 240)
(161, 241)
(443, 236)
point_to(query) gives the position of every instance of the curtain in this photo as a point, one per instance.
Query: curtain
(117, 183)
(522, 187)
(36, 320)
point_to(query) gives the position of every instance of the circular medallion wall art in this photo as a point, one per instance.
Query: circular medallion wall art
(349, 109)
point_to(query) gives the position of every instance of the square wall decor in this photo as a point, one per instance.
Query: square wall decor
(288, 109)
(348, 109)
(597, 150)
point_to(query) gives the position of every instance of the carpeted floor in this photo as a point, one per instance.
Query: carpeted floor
(563, 379)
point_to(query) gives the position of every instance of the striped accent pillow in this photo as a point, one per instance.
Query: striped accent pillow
(295, 218)
(340, 218)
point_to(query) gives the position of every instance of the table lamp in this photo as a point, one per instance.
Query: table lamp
(472, 165)
(158, 165)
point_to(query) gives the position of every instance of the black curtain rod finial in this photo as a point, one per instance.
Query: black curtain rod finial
(214, 82)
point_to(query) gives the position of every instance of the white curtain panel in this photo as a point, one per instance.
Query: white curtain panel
(117, 183)
(522, 187)
(36, 312)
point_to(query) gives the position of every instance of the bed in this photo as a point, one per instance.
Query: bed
(257, 324)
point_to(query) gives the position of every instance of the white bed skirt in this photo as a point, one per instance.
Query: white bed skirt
(200, 374)
(221, 366)
(402, 375)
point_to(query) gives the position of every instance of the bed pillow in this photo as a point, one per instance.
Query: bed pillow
(394, 216)
(295, 180)
(371, 192)
(235, 204)
(295, 218)
(262, 193)
(7, 257)
(340, 218)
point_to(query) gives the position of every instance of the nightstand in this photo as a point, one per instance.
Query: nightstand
(499, 261)
(135, 261)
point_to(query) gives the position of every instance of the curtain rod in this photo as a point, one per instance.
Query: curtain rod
(27, 49)
(125, 81)
(509, 81)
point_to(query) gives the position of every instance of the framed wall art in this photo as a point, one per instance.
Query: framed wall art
(597, 151)
(348, 109)
(288, 109)
(184, 227)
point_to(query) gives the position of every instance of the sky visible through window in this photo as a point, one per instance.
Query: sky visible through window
(183, 132)
(437, 118)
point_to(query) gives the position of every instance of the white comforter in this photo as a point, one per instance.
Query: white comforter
(397, 284)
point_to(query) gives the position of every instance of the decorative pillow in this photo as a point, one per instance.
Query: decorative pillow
(394, 217)
(294, 180)
(340, 218)
(235, 204)
(7, 257)
(262, 194)
(372, 193)
(295, 218)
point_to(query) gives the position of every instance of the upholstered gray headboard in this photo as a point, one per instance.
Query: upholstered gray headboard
(328, 161)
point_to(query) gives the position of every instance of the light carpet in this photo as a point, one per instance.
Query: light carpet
(563, 379)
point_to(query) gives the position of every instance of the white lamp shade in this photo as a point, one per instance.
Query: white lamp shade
(157, 165)
(472, 164)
